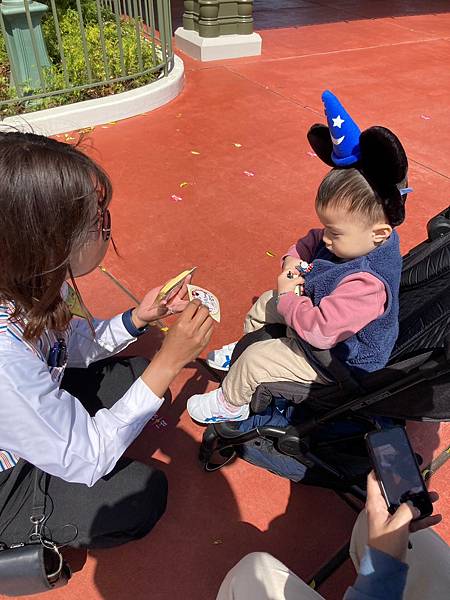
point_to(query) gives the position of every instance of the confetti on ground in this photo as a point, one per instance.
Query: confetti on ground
(195, 152)
(176, 198)
(309, 153)
(249, 174)
(164, 329)
(270, 253)
(237, 145)
(112, 123)
(104, 126)
(425, 117)
(86, 129)
(69, 138)
(217, 542)
(179, 115)
(184, 184)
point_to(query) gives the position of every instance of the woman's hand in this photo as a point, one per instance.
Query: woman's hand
(390, 533)
(288, 284)
(148, 311)
(187, 337)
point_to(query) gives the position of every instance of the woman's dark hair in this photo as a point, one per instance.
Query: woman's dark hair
(50, 193)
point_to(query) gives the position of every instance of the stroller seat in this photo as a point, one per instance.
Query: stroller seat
(321, 434)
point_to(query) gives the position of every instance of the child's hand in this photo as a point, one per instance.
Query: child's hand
(148, 311)
(289, 280)
(290, 262)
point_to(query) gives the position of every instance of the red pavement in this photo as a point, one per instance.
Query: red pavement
(389, 71)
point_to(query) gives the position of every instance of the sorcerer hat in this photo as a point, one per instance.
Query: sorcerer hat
(377, 153)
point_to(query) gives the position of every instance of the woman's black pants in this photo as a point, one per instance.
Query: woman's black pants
(122, 506)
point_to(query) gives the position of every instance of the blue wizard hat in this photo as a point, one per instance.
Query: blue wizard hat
(344, 132)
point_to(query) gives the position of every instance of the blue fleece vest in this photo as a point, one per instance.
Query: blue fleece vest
(369, 349)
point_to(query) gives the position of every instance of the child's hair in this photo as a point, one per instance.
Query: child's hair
(50, 194)
(348, 189)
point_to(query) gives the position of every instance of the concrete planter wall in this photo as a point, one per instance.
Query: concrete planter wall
(102, 110)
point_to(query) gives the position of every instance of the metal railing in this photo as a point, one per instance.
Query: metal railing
(84, 45)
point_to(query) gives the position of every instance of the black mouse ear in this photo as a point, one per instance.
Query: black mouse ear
(320, 141)
(385, 165)
(383, 158)
(394, 206)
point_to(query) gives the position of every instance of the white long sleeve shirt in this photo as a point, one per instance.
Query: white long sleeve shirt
(49, 427)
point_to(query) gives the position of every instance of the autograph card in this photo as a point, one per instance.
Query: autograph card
(207, 298)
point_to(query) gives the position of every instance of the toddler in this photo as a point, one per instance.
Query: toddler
(348, 301)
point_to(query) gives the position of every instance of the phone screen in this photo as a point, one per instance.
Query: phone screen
(397, 470)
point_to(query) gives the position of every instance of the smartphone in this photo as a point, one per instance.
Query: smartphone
(397, 470)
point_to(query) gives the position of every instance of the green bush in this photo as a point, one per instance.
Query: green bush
(76, 68)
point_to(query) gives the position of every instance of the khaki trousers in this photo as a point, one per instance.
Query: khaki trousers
(267, 361)
(260, 576)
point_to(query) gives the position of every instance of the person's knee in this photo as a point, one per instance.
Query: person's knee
(158, 489)
(149, 506)
(256, 562)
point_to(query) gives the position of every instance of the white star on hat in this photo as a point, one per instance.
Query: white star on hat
(337, 122)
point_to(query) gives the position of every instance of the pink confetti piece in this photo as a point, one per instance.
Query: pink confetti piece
(158, 422)
(249, 174)
(310, 153)
(176, 198)
(161, 424)
(425, 117)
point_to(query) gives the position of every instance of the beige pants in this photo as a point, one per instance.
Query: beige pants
(260, 576)
(271, 360)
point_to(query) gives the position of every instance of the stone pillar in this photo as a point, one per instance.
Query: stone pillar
(218, 29)
(19, 42)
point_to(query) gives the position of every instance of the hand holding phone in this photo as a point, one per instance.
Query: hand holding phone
(397, 471)
(390, 533)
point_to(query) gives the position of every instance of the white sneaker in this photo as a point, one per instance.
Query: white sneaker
(220, 359)
(213, 408)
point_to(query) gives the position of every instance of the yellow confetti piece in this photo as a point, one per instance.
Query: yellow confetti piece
(112, 123)
(69, 138)
(86, 129)
(164, 329)
(237, 145)
(195, 152)
(184, 184)
(270, 253)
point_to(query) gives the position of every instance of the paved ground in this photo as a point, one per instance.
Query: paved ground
(389, 63)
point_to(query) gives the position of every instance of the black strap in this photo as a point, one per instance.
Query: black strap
(38, 509)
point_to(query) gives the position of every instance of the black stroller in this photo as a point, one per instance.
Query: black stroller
(315, 433)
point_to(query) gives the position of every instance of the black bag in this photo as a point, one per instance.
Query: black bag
(34, 566)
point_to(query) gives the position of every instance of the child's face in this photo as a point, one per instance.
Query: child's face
(347, 235)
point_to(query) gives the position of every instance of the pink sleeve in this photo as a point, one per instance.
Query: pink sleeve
(359, 299)
(306, 246)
